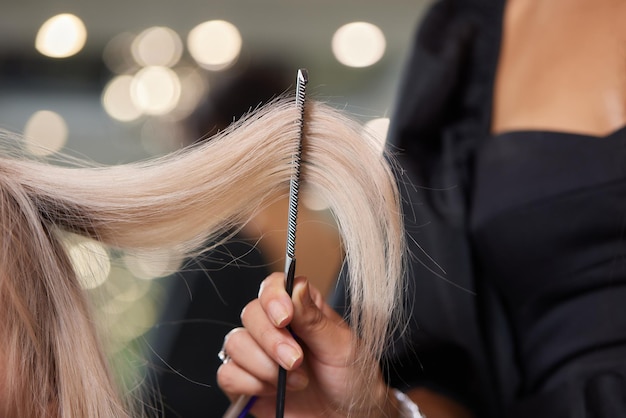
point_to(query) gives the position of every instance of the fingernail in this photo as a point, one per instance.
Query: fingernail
(278, 313)
(287, 355)
(297, 380)
(304, 295)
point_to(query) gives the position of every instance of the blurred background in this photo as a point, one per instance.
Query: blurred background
(77, 59)
(119, 81)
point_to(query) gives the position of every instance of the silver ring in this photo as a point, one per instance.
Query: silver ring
(223, 355)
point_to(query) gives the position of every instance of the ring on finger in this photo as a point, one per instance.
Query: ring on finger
(223, 355)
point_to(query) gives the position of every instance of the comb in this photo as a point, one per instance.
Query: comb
(290, 256)
(243, 404)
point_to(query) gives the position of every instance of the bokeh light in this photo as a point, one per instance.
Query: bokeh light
(194, 88)
(137, 320)
(91, 262)
(152, 265)
(358, 44)
(215, 45)
(61, 36)
(45, 133)
(117, 55)
(378, 128)
(117, 101)
(155, 90)
(157, 46)
(129, 307)
(125, 288)
(313, 200)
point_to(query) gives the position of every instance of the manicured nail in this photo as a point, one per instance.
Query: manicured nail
(287, 355)
(278, 313)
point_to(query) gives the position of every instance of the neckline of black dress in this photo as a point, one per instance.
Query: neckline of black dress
(547, 133)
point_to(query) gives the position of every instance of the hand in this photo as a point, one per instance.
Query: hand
(322, 377)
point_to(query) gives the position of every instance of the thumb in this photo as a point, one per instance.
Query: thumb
(318, 326)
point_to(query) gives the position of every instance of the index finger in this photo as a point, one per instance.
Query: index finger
(275, 300)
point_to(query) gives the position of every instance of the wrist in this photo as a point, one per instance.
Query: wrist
(379, 402)
(405, 407)
(396, 404)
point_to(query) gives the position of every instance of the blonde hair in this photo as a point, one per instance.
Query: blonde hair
(53, 358)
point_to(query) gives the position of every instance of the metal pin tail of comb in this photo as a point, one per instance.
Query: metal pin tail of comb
(243, 404)
(290, 256)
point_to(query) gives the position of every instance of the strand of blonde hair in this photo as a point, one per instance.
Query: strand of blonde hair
(182, 201)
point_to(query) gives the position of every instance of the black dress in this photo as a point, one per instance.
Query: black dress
(518, 280)
(548, 228)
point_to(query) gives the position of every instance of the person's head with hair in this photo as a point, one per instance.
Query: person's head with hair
(52, 363)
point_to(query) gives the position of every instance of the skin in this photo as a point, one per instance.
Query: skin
(2, 384)
(319, 376)
(317, 379)
(563, 74)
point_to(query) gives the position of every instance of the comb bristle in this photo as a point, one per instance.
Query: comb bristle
(294, 184)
